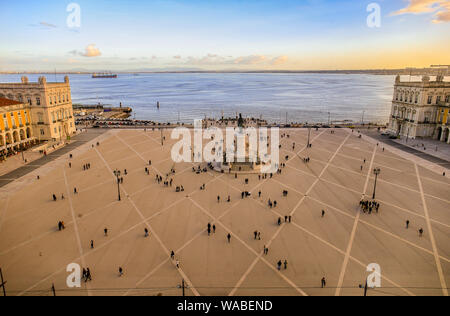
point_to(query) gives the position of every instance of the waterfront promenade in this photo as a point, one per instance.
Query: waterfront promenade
(338, 246)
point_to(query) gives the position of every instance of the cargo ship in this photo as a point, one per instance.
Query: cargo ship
(104, 75)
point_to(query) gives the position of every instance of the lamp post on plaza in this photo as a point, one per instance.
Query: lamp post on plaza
(309, 136)
(117, 174)
(365, 288)
(376, 171)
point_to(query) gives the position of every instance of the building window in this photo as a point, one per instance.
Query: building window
(5, 121)
(438, 99)
(42, 132)
(29, 101)
(40, 118)
(430, 99)
(38, 101)
(20, 120)
(447, 98)
(50, 99)
(13, 120)
(55, 130)
(417, 98)
(26, 117)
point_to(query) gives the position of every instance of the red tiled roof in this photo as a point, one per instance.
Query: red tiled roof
(8, 102)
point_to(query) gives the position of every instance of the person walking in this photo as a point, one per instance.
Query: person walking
(407, 224)
(214, 229)
(88, 275)
(120, 271)
(172, 255)
(279, 265)
(285, 264)
(421, 232)
(324, 282)
(146, 232)
(106, 232)
(229, 238)
(92, 244)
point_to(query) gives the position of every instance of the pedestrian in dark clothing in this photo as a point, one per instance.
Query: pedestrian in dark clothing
(88, 275)
(229, 238)
(324, 282)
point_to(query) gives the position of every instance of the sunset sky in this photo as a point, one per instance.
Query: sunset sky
(222, 35)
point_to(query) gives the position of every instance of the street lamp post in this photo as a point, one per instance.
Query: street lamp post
(117, 174)
(365, 288)
(309, 137)
(376, 171)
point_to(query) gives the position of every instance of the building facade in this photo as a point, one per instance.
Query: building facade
(421, 109)
(49, 106)
(15, 126)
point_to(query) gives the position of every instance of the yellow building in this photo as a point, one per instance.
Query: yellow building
(443, 121)
(49, 106)
(15, 126)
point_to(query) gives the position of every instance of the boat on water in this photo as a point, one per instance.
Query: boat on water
(104, 75)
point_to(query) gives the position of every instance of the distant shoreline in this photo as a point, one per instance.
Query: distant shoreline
(387, 72)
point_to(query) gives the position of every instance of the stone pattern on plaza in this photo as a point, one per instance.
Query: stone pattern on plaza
(34, 254)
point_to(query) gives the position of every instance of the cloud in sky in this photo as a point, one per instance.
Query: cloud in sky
(49, 25)
(91, 51)
(441, 8)
(250, 60)
(279, 60)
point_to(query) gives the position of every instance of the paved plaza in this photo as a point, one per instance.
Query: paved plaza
(338, 246)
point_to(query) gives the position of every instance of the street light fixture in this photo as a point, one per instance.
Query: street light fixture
(117, 174)
(376, 171)
(309, 137)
